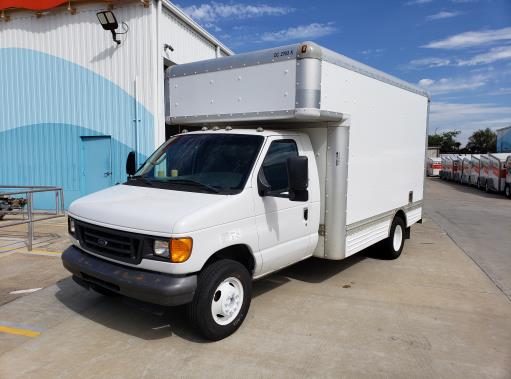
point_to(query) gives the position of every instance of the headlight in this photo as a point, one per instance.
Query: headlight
(177, 249)
(162, 248)
(71, 226)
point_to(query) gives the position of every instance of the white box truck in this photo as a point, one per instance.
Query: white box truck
(483, 171)
(473, 179)
(434, 165)
(496, 172)
(466, 166)
(447, 167)
(507, 186)
(278, 172)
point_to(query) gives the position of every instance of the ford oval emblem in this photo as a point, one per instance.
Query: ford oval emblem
(102, 242)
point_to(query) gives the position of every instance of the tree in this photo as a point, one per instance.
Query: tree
(482, 141)
(445, 141)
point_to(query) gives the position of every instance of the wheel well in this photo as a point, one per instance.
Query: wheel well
(239, 253)
(401, 213)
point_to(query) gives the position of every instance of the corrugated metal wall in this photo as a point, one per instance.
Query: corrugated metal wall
(63, 78)
(188, 45)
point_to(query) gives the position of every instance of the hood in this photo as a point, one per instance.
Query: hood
(159, 211)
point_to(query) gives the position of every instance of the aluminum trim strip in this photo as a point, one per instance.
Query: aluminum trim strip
(290, 115)
(315, 52)
(386, 216)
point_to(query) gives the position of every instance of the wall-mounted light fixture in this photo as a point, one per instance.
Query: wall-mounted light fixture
(167, 46)
(70, 9)
(5, 17)
(109, 22)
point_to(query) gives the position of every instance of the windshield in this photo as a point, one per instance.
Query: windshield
(214, 163)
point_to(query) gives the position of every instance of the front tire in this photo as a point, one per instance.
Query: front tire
(221, 300)
(394, 243)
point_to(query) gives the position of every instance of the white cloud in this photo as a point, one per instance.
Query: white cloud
(449, 85)
(314, 30)
(430, 62)
(212, 12)
(470, 39)
(495, 54)
(468, 117)
(442, 15)
(500, 91)
(418, 2)
(372, 51)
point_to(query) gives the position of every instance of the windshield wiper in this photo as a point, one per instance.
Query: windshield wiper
(142, 179)
(194, 183)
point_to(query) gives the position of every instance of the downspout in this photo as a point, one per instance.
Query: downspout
(157, 67)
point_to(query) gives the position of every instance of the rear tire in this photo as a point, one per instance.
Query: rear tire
(393, 245)
(221, 300)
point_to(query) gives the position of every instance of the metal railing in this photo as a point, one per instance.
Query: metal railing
(29, 191)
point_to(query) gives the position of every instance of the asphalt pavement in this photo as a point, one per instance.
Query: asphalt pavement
(479, 223)
(432, 313)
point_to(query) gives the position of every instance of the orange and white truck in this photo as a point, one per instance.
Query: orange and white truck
(496, 172)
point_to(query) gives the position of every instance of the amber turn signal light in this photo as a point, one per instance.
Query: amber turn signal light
(180, 249)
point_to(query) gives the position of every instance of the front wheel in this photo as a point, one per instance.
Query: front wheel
(221, 300)
(393, 244)
(507, 191)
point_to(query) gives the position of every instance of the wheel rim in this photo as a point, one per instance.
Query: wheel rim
(227, 301)
(398, 237)
(508, 191)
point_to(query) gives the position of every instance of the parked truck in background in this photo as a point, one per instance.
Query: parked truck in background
(474, 170)
(275, 173)
(483, 171)
(434, 166)
(496, 172)
(507, 186)
(466, 166)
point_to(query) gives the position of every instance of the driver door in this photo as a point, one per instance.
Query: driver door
(282, 224)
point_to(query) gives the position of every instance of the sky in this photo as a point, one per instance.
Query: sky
(458, 50)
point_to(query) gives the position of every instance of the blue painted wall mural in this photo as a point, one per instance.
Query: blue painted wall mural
(46, 105)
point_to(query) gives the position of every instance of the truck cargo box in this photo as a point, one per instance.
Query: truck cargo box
(473, 179)
(434, 165)
(497, 171)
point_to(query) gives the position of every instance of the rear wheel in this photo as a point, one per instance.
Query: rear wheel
(507, 191)
(392, 246)
(222, 299)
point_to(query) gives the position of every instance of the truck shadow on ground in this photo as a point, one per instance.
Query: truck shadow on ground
(154, 322)
(465, 188)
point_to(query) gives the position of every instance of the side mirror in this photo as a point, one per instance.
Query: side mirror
(298, 177)
(131, 164)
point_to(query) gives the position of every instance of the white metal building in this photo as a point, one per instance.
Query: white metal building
(73, 102)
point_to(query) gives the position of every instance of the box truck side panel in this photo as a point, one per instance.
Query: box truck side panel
(390, 132)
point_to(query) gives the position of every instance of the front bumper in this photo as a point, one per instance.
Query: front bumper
(149, 286)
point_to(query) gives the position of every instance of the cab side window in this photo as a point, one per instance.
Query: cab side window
(274, 164)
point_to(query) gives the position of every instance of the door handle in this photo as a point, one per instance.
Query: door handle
(108, 173)
(305, 214)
